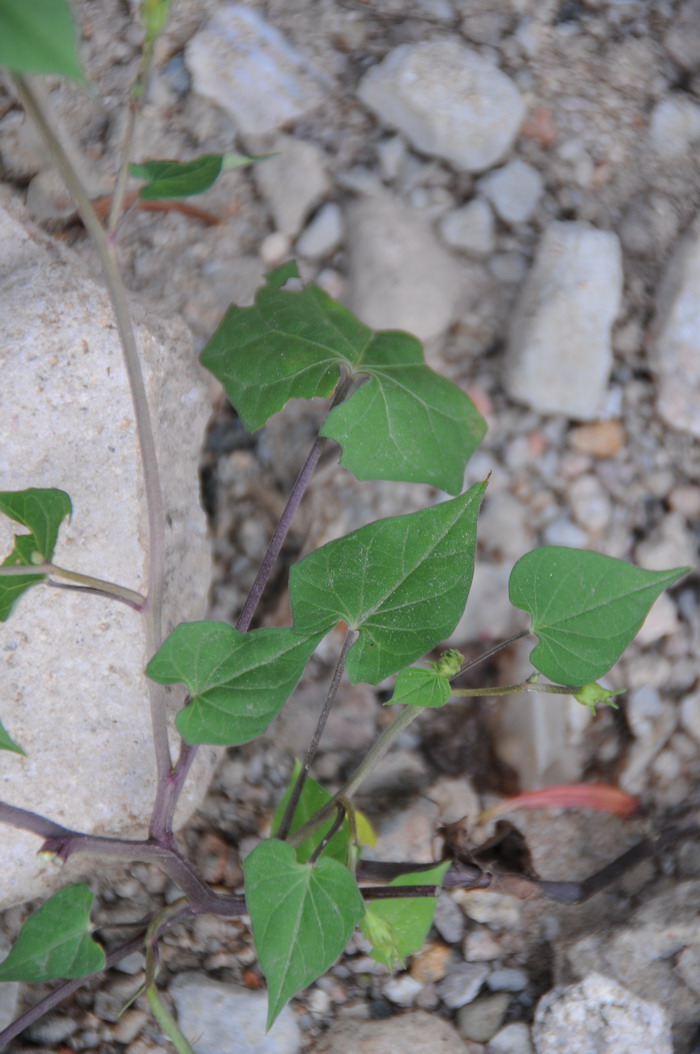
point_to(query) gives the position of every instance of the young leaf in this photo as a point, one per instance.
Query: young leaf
(402, 582)
(585, 608)
(302, 917)
(404, 423)
(8, 743)
(185, 179)
(398, 927)
(239, 682)
(419, 687)
(42, 512)
(313, 798)
(38, 37)
(55, 941)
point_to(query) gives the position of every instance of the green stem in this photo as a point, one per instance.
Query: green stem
(371, 759)
(167, 1022)
(514, 689)
(97, 584)
(154, 500)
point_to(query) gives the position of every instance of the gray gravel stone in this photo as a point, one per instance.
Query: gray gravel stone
(674, 126)
(559, 353)
(507, 979)
(414, 1033)
(481, 1019)
(448, 919)
(400, 275)
(244, 65)
(470, 228)
(599, 1016)
(675, 351)
(293, 183)
(513, 190)
(222, 1019)
(324, 234)
(462, 984)
(682, 40)
(448, 100)
(513, 1039)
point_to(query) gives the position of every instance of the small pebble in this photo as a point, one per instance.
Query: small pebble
(507, 979)
(402, 990)
(462, 984)
(601, 439)
(481, 1019)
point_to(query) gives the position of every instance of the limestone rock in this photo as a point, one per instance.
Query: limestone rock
(675, 348)
(293, 183)
(413, 1033)
(513, 190)
(223, 1019)
(559, 353)
(73, 690)
(400, 275)
(244, 65)
(599, 1015)
(470, 228)
(448, 100)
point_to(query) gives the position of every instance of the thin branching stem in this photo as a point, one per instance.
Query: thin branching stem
(350, 638)
(85, 582)
(37, 108)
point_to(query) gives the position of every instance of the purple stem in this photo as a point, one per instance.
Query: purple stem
(169, 790)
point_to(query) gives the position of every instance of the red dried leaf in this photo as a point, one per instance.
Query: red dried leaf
(602, 797)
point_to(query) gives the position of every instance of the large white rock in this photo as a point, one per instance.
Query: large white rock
(400, 275)
(675, 346)
(559, 349)
(599, 1015)
(72, 687)
(244, 65)
(448, 100)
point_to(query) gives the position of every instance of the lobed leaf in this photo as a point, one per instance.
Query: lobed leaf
(402, 582)
(418, 687)
(39, 37)
(404, 423)
(302, 917)
(313, 798)
(399, 927)
(239, 682)
(42, 511)
(55, 941)
(585, 608)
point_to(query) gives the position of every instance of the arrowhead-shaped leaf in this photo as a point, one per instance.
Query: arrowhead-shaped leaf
(418, 687)
(185, 179)
(239, 682)
(313, 798)
(398, 927)
(404, 423)
(302, 916)
(585, 608)
(38, 37)
(402, 582)
(42, 511)
(55, 941)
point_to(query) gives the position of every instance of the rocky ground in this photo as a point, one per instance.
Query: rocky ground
(517, 182)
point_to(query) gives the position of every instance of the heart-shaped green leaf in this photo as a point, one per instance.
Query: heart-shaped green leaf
(42, 511)
(418, 687)
(402, 582)
(55, 941)
(39, 37)
(302, 916)
(404, 423)
(239, 682)
(398, 927)
(312, 799)
(585, 608)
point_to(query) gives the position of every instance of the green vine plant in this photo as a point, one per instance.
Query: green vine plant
(399, 586)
